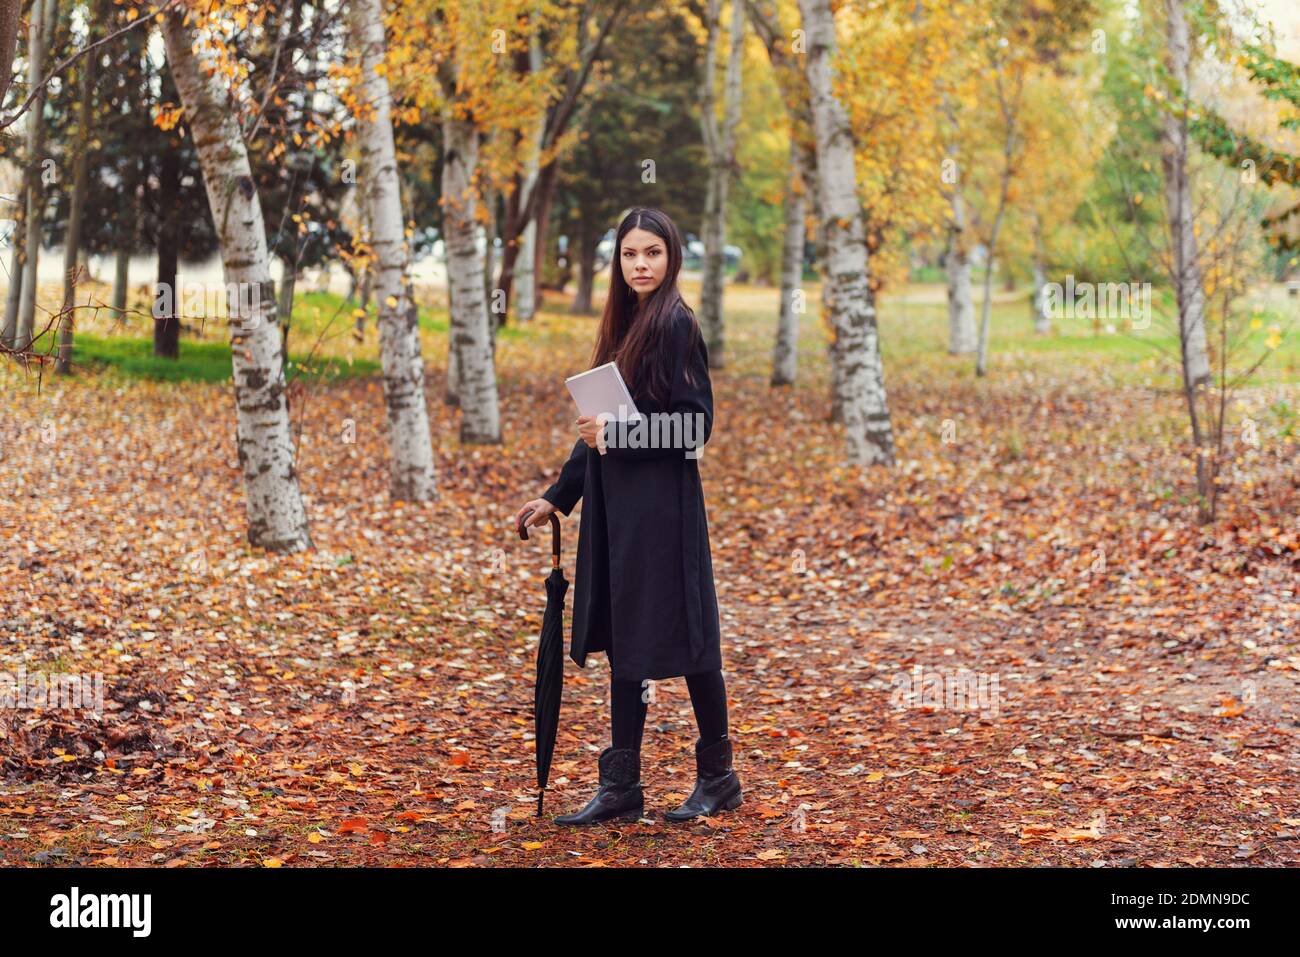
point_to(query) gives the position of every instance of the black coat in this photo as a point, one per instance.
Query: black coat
(644, 580)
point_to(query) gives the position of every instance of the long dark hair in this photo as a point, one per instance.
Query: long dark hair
(634, 333)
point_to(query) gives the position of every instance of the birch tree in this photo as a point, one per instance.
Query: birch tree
(475, 90)
(10, 23)
(720, 145)
(40, 32)
(1008, 69)
(1189, 288)
(1039, 306)
(785, 350)
(801, 190)
(525, 266)
(471, 333)
(412, 475)
(72, 242)
(276, 518)
(956, 258)
(859, 381)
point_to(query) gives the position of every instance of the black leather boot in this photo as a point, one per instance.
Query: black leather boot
(620, 790)
(717, 788)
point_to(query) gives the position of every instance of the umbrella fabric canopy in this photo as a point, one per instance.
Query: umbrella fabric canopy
(550, 661)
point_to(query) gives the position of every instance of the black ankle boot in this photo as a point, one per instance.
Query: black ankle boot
(717, 788)
(620, 790)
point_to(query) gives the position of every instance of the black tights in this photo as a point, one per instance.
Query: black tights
(627, 709)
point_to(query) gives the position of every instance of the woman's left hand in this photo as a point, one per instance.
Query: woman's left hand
(591, 429)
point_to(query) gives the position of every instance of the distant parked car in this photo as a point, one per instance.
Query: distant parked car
(605, 249)
(693, 255)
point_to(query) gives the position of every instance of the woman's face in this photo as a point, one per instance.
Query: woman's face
(644, 257)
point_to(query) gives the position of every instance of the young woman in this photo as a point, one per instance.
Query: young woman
(644, 592)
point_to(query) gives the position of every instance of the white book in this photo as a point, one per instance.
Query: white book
(602, 390)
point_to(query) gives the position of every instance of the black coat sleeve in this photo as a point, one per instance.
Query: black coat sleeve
(566, 491)
(687, 399)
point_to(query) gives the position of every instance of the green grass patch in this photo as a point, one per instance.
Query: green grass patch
(198, 362)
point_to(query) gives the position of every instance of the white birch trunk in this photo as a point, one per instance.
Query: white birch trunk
(412, 474)
(1042, 317)
(721, 147)
(1042, 321)
(14, 295)
(475, 369)
(276, 518)
(1185, 256)
(785, 353)
(525, 275)
(38, 36)
(961, 305)
(494, 305)
(859, 380)
(1008, 112)
(525, 280)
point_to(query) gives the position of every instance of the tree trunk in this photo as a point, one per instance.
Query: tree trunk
(1185, 255)
(76, 209)
(10, 22)
(39, 33)
(961, 307)
(1008, 152)
(413, 476)
(860, 382)
(721, 147)
(276, 518)
(450, 395)
(288, 283)
(1042, 319)
(167, 297)
(489, 258)
(982, 347)
(17, 266)
(786, 350)
(523, 272)
(546, 184)
(476, 384)
(584, 250)
(284, 311)
(121, 281)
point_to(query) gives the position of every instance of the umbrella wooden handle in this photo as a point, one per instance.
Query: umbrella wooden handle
(555, 535)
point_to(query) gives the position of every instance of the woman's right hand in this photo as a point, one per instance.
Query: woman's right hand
(542, 510)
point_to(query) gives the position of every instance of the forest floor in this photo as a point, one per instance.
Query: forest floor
(1134, 676)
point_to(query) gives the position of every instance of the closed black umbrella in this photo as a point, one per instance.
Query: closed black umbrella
(550, 660)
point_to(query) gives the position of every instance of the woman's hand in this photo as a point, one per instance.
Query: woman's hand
(591, 429)
(542, 510)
